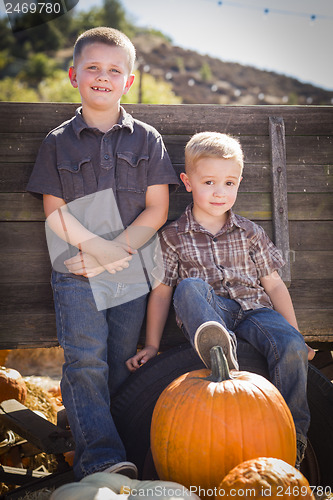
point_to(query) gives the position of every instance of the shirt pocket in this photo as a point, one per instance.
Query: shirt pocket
(77, 178)
(131, 172)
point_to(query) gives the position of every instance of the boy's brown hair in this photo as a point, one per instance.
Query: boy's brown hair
(212, 145)
(109, 36)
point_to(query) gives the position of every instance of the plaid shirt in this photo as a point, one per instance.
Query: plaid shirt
(231, 261)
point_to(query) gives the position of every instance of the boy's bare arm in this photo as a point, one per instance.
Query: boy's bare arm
(108, 255)
(137, 234)
(150, 220)
(280, 297)
(157, 313)
(281, 300)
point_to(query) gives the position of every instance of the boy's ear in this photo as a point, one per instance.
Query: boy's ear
(72, 76)
(186, 182)
(129, 83)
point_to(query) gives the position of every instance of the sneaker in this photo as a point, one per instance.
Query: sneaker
(125, 469)
(210, 334)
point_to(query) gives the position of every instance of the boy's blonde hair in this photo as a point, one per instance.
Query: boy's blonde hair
(212, 145)
(109, 36)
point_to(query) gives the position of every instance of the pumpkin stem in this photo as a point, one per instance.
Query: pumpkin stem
(220, 368)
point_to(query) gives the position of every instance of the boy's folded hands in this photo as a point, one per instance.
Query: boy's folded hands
(104, 256)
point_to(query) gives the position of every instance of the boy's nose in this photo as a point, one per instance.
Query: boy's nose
(219, 192)
(103, 76)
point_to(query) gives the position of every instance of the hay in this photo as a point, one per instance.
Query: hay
(39, 400)
(43, 494)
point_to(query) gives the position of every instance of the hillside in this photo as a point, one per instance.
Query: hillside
(203, 79)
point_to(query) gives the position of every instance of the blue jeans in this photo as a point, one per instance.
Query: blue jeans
(96, 345)
(282, 345)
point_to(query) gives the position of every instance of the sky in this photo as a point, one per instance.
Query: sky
(284, 39)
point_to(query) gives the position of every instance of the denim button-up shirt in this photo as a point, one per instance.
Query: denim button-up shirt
(76, 160)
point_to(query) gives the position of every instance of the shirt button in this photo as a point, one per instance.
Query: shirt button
(228, 283)
(106, 157)
(215, 240)
(76, 167)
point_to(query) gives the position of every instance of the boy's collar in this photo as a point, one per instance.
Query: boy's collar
(125, 120)
(188, 223)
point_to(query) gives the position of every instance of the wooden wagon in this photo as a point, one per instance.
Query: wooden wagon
(287, 188)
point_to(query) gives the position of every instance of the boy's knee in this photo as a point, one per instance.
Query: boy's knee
(297, 348)
(188, 285)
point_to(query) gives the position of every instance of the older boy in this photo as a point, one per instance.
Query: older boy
(224, 268)
(101, 150)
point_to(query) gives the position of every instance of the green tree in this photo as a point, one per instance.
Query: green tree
(115, 17)
(153, 92)
(206, 72)
(37, 67)
(57, 88)
(42, 36)
(12, 89)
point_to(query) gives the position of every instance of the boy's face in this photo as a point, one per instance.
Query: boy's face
(102, 76)
(214, 185)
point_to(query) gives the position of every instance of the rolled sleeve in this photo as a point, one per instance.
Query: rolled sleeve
(266, 256)
(45, 178)
(167, 272)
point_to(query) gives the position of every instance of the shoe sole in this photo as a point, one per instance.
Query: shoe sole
(209, 335)
(125, 469)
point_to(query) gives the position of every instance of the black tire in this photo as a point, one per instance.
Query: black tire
(133, 406)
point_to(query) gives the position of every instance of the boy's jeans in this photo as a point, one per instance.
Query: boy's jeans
(282, 345)
(96, 345)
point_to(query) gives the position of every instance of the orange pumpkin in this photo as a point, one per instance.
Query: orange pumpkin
(204, 424)
(12, 385)
(265, 477)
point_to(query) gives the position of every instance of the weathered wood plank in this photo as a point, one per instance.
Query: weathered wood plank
(37, 298)
(28, 330)
(28, 297)
(18, 237)
(310, 235)
(18, 147)
(256, 206)
(256, 177)
(313, 323)
(35, 267)
(23, 237)
(25, 268)
(312, 265)
(300, 120)
(279, 192)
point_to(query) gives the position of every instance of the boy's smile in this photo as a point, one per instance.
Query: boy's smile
(214, 185)
(102, 76)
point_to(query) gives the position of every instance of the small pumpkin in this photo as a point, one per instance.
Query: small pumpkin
(12, 385)
(265, 477)
(107, 486)
(204, 424)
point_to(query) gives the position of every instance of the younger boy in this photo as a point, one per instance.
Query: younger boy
(224, 268)
(101, 150)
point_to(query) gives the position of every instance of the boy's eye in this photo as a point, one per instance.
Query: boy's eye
(230, 183)
(114, 70)
(92, 67)
(209, 183)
